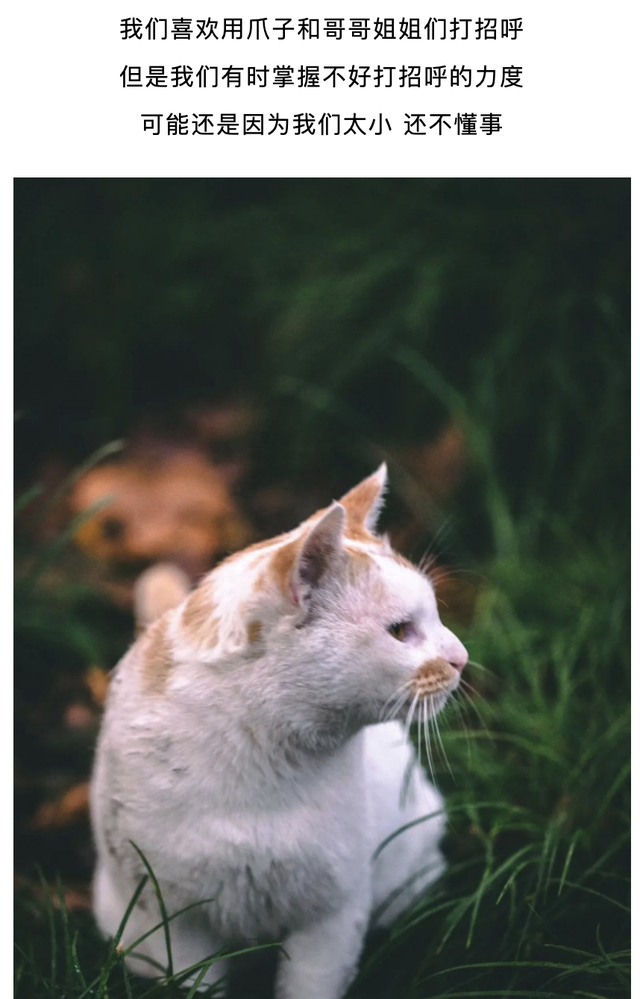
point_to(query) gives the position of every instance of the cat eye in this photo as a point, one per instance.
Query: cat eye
(399, 630)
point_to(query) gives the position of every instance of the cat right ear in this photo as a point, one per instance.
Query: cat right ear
(320, 555)
(364, 502)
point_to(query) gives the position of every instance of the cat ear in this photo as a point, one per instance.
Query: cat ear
(320, 553)
(364, 502)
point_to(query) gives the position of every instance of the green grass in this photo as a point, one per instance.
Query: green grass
(513, 321)
(535, 899)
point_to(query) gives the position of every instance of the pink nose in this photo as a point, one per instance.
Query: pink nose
(454, 651)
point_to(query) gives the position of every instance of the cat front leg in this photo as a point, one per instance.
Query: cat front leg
(320, 961)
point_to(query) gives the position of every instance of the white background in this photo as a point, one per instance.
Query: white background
(65, 114)
(70, 116)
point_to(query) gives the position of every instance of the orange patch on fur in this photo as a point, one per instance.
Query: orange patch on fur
(254, 631)
(359, 501)
(198, 619)
(260, 582)
(256, 547)
(434, 676)
(157, 657)
(282, 564)
(355, 531)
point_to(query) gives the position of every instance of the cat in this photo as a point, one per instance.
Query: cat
(242, 753)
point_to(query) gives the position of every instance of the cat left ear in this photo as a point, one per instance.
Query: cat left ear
(364, 502)
(320, 553)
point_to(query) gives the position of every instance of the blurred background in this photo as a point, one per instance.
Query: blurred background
(201, 364)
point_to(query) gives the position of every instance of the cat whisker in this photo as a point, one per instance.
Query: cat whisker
(399, 706)
(469, 687)
(480, 666)
(470, 690)
(407, 724)
(400, 694)
(426, 563)
(468, 700)
(458, 568)
(455, 704)
(445, 526)
(425, 734)
(439, 575)
(443, 751)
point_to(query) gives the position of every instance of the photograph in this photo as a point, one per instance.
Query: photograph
(322, 587)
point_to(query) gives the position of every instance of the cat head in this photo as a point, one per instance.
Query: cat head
(319, 629)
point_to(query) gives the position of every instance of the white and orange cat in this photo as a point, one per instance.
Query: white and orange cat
(241, 752)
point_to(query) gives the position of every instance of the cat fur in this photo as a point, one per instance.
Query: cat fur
(241, 752)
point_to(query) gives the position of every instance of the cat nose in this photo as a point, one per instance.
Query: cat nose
(454, 651)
